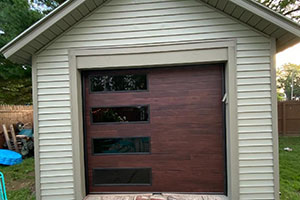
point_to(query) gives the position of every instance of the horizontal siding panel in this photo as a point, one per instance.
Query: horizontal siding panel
(45, 161)
(53, 155)
(255, 46)
(44, 85)
(256, 149)
(54, 110)
(249, 136)
(256, 163)
(254, 122)
(54, 173)
(256, 94)
(100, 27)
(60, 197)
(151, 13)
(249, 88)
(55, 97)
(153, 6)
(150, 40)
(256, 190)
(50, 59)
(250, 170)
(55, 136)
(55, 65)
(54, 123)
(260, 60)
(255, 143)
(56, 149)
(53, 78)
(256, 128)
(255, 74)
(57, 192)
(50, 91)
(60, 179)
(259, 101)
(46, 72)
(253, 81)
(266, 115)
(253, 53)
(263, 176)
(56, 142)
(254, 108)
(57, 186)
(252, 183)
(153, 33)
(54, 117)
(251, 40)
(129, 2)
(55, 167)
(257, 196)
(55, 129)
(50, 104)
(256, 156)
(152, 19)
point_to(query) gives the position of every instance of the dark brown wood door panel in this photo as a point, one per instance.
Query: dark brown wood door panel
(185, 128)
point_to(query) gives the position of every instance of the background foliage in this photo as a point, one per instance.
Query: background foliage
(289, 8)
(15, 17)
(287, 76)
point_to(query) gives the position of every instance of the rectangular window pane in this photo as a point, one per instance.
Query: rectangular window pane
(121, 145)
(122, 176)
(120, 114)
(128, 82)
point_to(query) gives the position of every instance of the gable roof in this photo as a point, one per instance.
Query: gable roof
(66, 15)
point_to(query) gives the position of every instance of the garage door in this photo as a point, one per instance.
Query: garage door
(155, 130)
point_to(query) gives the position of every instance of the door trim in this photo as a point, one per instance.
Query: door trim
(166, 54)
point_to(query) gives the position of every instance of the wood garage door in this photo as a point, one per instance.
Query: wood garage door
(155, 130)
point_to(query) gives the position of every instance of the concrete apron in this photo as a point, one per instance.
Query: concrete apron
(164, 196)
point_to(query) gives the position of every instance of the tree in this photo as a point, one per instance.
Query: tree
(288, 79)
(15, 80)
(45, 6)
(289, 8)
(15, 17)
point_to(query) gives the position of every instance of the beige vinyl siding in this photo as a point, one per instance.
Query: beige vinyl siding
(125, 23)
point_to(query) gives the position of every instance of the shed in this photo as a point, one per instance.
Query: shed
(155, 96)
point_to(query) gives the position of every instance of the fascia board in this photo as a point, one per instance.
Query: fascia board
(270, 15)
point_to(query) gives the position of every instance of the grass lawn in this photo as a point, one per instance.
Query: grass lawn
(289, 168)
(19, 180)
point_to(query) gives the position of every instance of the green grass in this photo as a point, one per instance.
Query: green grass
(19, 180)
(289, 168)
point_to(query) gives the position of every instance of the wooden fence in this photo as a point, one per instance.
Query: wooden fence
(14, 114)
(289, 118)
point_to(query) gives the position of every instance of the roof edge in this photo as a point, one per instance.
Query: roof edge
(270, 15)
(46, 21)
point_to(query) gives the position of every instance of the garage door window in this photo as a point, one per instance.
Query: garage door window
(132, 145)
(120, 114)
(111, 83)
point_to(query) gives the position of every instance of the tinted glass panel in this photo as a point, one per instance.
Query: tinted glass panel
(121, 145)
(141, 176)
(120, 114)
(102, 83)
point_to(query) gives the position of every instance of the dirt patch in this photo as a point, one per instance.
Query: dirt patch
(21, 183)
